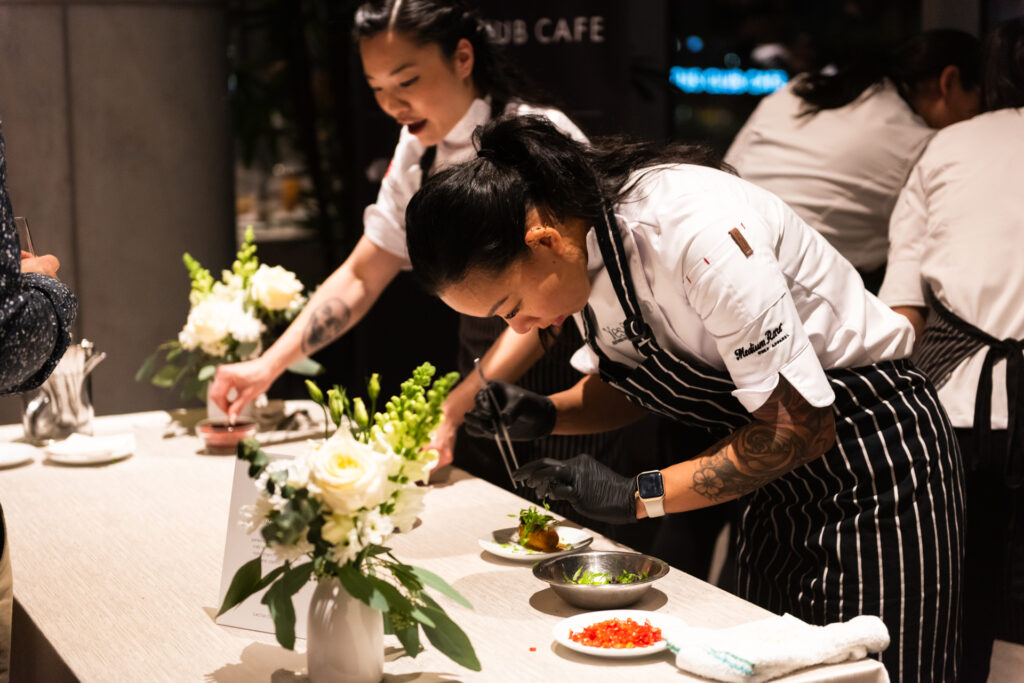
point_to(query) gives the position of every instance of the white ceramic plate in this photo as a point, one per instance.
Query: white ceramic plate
(78, 449)
(502, 543)
(14, 454)
(581, 621)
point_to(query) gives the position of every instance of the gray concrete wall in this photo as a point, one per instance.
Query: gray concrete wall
(118, 146)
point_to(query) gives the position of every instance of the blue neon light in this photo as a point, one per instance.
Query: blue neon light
(694, 44)
(694, 79)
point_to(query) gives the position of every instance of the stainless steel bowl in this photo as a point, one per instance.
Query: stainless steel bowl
(608, 596)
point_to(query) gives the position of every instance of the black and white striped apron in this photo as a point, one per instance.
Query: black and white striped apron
(874, 526)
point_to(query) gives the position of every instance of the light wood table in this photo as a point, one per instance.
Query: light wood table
(118, 567)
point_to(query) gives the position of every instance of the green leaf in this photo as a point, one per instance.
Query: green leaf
(174, 353)
(437, 583)
(409, 637)
(359, 587)
(306, 367)
(451, 640)
(394, 600)
(147, 368)
(244, 583)
(269, 578)
(206, 372)
(165, 377)
(279, 600)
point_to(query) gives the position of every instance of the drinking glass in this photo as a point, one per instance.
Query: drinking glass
(24, 236)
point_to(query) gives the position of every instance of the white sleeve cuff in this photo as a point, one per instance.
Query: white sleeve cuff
(803, 372)
(902, 285)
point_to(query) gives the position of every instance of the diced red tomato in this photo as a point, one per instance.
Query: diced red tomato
(618, 634)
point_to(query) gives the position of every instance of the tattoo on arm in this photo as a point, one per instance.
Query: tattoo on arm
(786, 432)
(326, 324)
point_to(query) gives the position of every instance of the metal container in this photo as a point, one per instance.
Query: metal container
(612, 562)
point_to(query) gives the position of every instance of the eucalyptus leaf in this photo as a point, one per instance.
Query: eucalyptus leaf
(451, 640)
(306, 367)
(147, 368)
(165, 377)
(395, 601)
(410, 639)
(279, 599)
(437, 583)
(206, 372)
(244, 583)
(174, 353)
(356, 584)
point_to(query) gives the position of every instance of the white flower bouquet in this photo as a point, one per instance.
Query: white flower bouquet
(329, 514)
(230, 320)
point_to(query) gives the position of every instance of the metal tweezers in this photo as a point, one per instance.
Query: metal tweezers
(508, 455)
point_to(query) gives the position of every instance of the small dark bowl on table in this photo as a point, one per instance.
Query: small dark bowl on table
(612, 562)
(222, 437)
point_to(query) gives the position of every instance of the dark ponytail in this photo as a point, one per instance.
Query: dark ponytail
(908, 66)
(1002, 84)
(473, 215)
(445, 23)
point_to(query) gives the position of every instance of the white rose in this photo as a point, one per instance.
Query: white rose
(207, 326)
(275, 288)
(349, 474)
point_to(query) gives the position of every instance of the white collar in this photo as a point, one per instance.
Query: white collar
(461, 135)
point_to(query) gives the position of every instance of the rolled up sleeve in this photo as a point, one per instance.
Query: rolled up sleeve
(746, 306)
(907, 228)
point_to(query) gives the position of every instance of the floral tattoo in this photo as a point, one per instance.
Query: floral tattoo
(326, 324)
(786, 433)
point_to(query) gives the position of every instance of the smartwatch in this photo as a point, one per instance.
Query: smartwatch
(650, 489)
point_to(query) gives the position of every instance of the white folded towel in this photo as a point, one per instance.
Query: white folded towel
(769, 648)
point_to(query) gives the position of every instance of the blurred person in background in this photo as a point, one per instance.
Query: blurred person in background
(36, 312)
(955, 271)
(433, 67)
(837, 145)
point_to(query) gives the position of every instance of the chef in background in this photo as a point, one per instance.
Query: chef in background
(956, 270)
(837, 146)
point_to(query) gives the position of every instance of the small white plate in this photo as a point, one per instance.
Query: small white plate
(581, 621)
(14, 454)
(503, 543)
(78, 449)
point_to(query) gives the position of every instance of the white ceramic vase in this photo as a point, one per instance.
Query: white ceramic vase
(344, 637)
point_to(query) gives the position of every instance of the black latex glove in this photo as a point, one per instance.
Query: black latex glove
(592, 488)
(526, 415)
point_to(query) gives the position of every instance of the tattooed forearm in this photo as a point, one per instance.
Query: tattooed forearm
(326, 324)
(786, 432)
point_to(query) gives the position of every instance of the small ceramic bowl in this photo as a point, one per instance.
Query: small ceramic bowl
(612, 562)
(221, 437)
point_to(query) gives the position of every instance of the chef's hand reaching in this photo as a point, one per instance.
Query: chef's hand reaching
(525, 414)
(592, 488)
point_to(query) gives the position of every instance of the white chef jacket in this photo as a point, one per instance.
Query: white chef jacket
(839, 169)
(794, 307)
(959, 228)
(384, 220)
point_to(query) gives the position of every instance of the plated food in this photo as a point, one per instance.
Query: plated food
(223, 437)
(616, 633)
(537, 537)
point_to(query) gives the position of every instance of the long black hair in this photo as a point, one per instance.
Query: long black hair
(444, 23)
(473, 215)
(1002, 81)
(910, 65)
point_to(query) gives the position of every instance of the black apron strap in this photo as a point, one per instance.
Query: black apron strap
(616, 261)
(427, 162)
(998, 349)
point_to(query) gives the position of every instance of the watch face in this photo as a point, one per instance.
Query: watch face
(649, 485)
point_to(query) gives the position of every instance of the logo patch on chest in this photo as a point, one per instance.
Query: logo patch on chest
(617, 333)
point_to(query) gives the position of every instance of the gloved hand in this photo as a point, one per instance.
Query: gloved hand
(592, 488)
(526, 415)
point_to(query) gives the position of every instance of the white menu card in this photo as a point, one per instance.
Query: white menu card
(240, 547)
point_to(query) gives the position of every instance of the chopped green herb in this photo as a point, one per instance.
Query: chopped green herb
(589, 578)
(531, 519)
